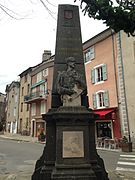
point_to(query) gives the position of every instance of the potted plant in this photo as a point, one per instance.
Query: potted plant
(41, 136)
(126, 146)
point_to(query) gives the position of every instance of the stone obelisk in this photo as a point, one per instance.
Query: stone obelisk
(68, 44)
(70, 151)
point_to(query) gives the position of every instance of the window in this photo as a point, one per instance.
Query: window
(33, 92)
(46, 87)
(43, 107)
(25, 78)
(99, 74)
(45, 72)
(28, 88)
(22, 91)
(14, 111)
(101, 99)
(20, 125)
(89, 54)
(16, 98)
(104, 129)
(42, 89)
(33, 109)
(39, 76)
(27, 108)
(21, 107)
(27, 123)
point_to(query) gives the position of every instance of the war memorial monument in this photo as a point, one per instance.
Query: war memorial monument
(70, 151)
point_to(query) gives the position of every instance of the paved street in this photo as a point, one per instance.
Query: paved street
(126, 162)
(18, 157)
(17, 161)
(120, 163)
(110, 159)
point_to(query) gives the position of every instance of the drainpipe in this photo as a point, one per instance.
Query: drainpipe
(122, 67)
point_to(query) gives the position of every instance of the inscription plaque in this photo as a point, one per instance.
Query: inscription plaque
(68, 14)
(73, 144)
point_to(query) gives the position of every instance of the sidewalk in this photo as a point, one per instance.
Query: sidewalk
(19, 137)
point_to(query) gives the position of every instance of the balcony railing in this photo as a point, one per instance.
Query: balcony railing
(36, 96)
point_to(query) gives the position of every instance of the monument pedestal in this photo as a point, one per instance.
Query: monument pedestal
(76, 156)
(72, 144)
(79, 172)
(70, 152)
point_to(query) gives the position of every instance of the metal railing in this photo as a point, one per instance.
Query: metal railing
(36, 95)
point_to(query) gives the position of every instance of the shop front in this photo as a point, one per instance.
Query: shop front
(37, 125)
(107, 126)
(104, 129)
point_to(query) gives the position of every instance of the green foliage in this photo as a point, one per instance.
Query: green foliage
(41, 136)
(124, 139)
(119, 17)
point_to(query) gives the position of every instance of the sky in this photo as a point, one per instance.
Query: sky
(24, 39)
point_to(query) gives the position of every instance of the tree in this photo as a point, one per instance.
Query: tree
(117, 14)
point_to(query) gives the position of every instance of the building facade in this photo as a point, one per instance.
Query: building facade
(100, 64)
(126, 84)
(12, 106)
(24, 113)
(39, 98)
(2, 111)
(109, 64)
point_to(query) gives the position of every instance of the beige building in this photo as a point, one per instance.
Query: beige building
(126, 83)
(2, 97)
(2, 111)
(12, 106)
(39, 97)
(24, 113)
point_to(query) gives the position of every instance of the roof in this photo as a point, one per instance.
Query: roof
(97, 38)
(12, 85)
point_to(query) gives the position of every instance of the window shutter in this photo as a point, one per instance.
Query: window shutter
(33, 110)
(84, 57)
(94, 101)
(106, 98)
(43, 107)
(104, 68)
(93, 76)
(46, 87)
(92, 53)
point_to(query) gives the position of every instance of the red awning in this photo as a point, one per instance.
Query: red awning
(103, 112)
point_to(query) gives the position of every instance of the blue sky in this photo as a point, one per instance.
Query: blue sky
(23, 41)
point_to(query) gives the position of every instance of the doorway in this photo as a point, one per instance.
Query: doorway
(33, 127)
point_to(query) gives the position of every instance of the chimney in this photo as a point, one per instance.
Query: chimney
(46, 55)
